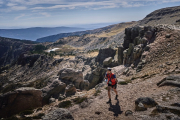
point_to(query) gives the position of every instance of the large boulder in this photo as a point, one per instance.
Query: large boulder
(19, 100)
(105, 53)
(70, 90)
(53, 90)
(143, 103)
(58, 114)
(71, 76)
(107, 62)
(95, 77)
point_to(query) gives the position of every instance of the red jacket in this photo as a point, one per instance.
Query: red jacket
(111, 78)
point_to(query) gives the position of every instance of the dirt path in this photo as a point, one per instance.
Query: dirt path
(99, 110)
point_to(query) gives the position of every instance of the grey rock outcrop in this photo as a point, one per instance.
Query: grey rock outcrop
(120, 55)
(136, 41)
(71, 76)
(53, 90)
(170, 81)
(19, 100)
(58, 114)
(105, 53)
(95, 77)
(107, 62)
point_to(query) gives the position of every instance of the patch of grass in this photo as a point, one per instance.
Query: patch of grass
(124, 82)
(65, 104)
(79, 100)
(106, 88)
(97, 92)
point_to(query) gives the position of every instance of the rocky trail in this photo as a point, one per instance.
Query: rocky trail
(100, 110)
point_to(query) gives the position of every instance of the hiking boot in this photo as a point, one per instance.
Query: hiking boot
(109, 101)
(116, 97)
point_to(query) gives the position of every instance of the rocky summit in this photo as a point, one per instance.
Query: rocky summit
(64, 80)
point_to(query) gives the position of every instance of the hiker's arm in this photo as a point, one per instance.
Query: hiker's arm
(116, 79)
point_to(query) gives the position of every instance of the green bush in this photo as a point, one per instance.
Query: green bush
(38, 49)
(65, 104)
(79, 100)
(97, 92)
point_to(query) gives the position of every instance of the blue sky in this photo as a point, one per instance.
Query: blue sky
(54, 13)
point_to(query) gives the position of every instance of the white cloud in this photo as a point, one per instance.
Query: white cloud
(46, 5)
(45, 14)
(11, 4)
(20, 16)
(17, 8)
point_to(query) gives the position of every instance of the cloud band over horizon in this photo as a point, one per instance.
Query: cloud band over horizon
(14, 10)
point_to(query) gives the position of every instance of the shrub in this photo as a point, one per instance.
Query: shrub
(79, 100)
(65, 104)
(97, 92)
(38, 49)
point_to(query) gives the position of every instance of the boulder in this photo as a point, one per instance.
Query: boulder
(146, 101)
(53, 90)
(107, 62)
(58, 114)
(105, 53)
(19, 100)
(96, 76)
(70, 90)
(140, 107)
(51, 100)
(69, 76)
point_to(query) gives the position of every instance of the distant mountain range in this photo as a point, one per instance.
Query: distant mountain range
(36, 32)
(53, 38)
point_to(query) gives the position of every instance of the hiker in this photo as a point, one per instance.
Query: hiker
(112, 83)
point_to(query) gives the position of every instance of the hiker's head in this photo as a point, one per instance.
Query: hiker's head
(108, 70)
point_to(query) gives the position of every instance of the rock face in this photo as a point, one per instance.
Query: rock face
(70, 90)
(11, 49)
(95, 77)
(19, 100)
(69, 75)
(58, 114)
(120, 55)
(53, 90)
(136, 41)
(105, 53)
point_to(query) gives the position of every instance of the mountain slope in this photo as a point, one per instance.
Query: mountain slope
(54, 38)
(35, 32)
(170, 15)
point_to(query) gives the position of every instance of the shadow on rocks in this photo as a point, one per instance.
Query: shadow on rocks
(115, 108)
